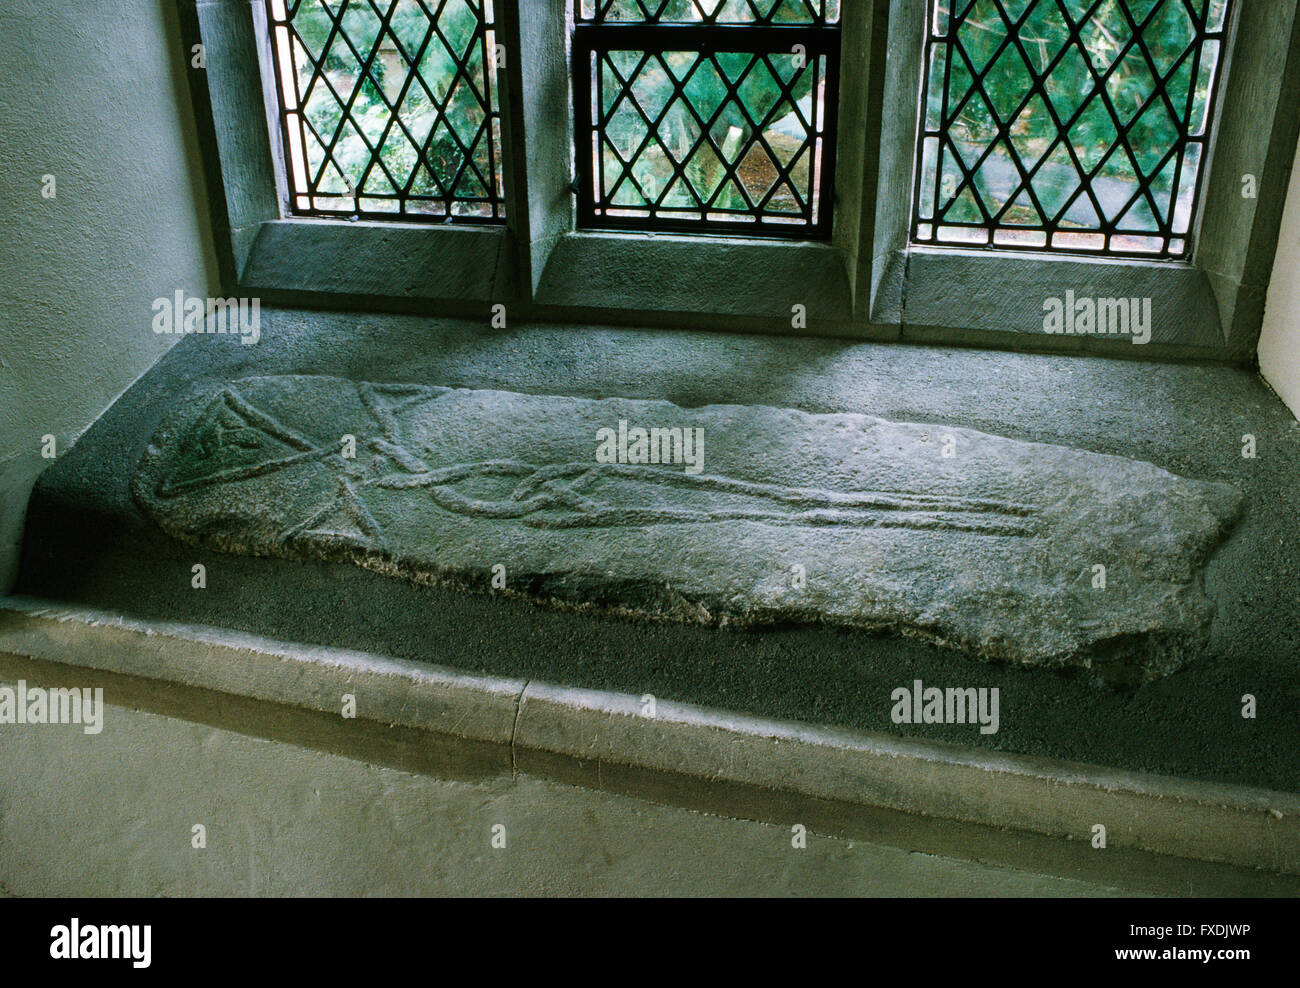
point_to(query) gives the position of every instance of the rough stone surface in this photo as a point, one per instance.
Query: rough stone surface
(990, 549)
(87, 541)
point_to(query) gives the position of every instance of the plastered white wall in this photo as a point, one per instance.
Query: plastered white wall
(96, 96)
(1279, 342)
(114, 813)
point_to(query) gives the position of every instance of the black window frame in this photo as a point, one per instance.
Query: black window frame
(865, 282)
(591, 39)
(1107, 228)
(489, 98)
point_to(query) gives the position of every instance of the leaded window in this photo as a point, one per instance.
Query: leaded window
(1075, 125)
(389, 108)
(707, 115)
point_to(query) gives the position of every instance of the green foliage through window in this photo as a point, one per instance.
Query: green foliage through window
(389, 107)
(1067, 124)
(706, 114)
(709, 11)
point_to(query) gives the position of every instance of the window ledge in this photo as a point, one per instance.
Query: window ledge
(763, 279)
(1004, 293)
(86, 540)
(452, 262)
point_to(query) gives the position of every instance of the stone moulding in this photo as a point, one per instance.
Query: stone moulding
(949, 535)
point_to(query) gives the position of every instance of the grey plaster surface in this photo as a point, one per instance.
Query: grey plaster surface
(88, 542)
(121, 226)
(284, 820)
(849, 783)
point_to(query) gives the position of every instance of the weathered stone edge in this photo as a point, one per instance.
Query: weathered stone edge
(388, 691)
(1230, 824)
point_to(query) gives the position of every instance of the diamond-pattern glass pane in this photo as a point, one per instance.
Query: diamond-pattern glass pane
(709, 11)
(1072, 125)
(713, 115)
(389, 108)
